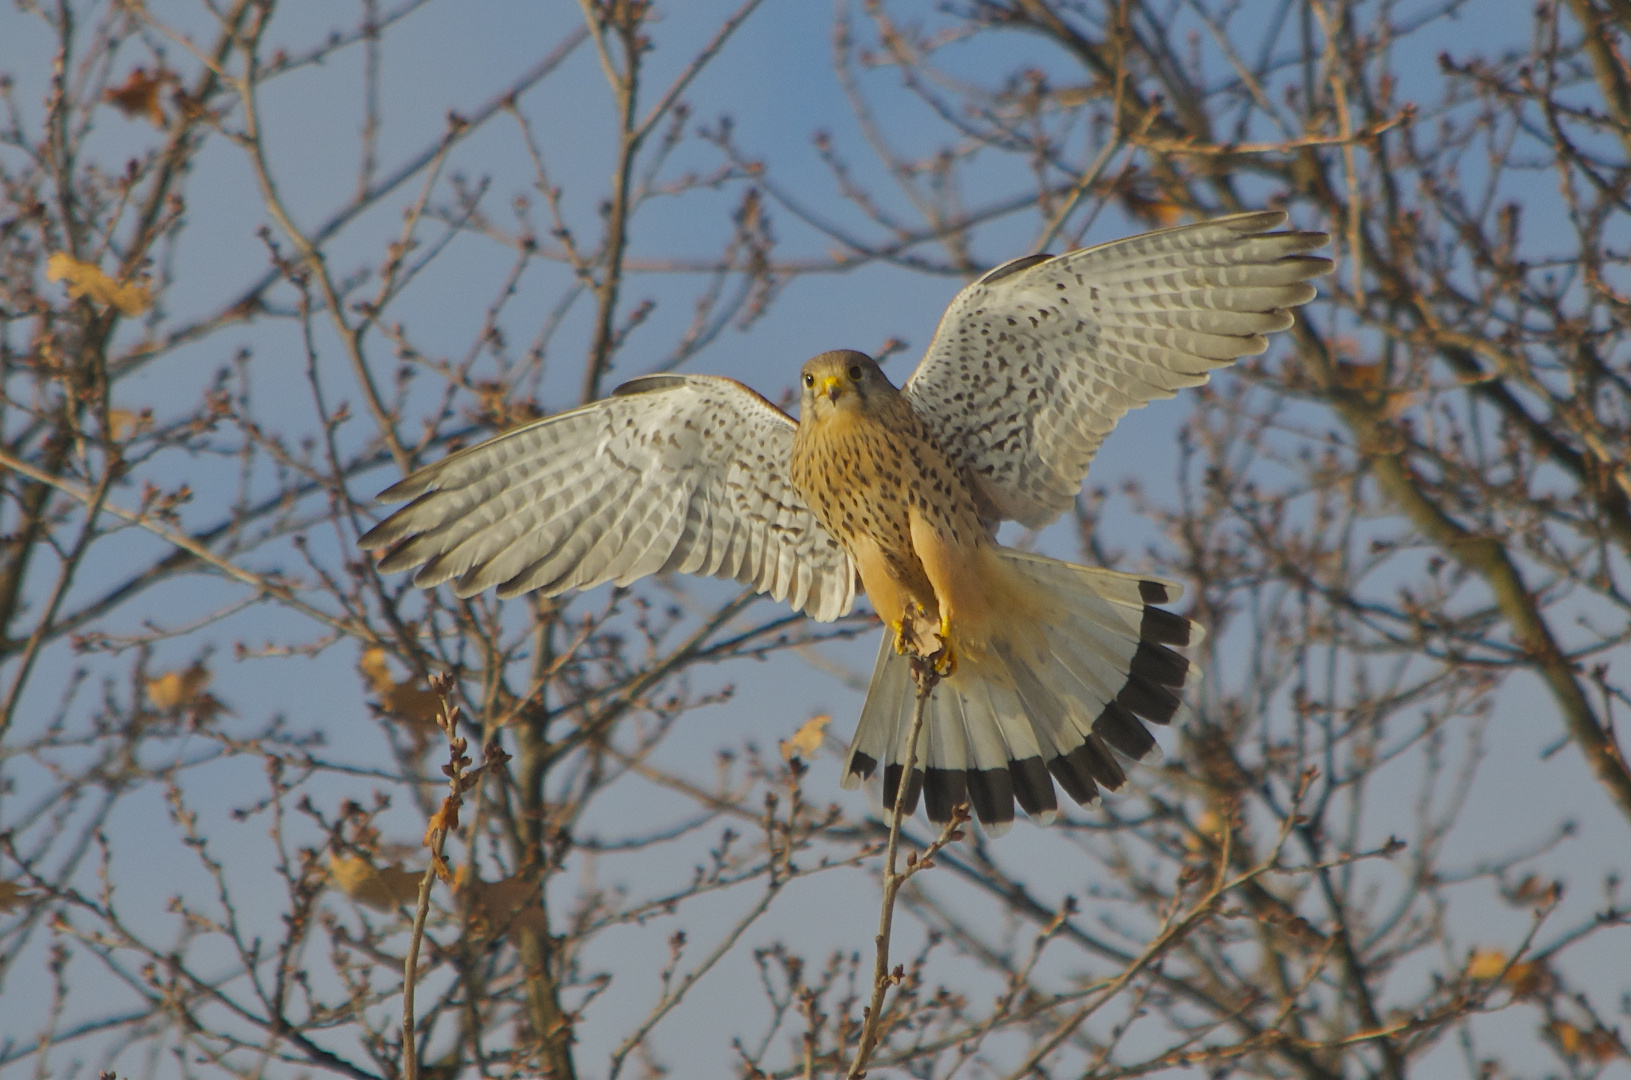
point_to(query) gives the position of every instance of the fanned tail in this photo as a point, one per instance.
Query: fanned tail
(1061, 704)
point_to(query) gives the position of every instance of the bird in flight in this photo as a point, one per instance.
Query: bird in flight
(1048, 670)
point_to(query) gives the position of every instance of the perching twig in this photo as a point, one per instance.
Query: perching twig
(925, 677)
(460, 779)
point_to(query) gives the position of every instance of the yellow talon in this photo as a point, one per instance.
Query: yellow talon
(912, 638)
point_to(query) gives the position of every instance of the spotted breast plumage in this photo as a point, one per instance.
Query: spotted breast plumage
(1050, 670)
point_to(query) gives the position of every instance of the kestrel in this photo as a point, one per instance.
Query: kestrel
(1050, 669)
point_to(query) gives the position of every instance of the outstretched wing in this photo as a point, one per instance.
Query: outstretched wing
(1033, 364)
(671, 473)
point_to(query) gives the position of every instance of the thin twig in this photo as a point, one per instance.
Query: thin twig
(1089, 177)
(264, 585)
(925, 677)
(460, 779)
(1350, 166)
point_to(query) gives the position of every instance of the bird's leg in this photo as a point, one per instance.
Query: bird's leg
(945, 661)
(924, 634)
(906, 631)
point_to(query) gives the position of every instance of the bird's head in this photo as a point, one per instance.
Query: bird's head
(843, 380)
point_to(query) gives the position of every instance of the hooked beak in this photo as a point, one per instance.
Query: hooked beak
(831, 386)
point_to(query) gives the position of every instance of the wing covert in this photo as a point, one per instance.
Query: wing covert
(1033, 364)
(672, 473)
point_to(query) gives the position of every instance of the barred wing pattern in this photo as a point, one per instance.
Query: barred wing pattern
(672, 473)
(1033, 364)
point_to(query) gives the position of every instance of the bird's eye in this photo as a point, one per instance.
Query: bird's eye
(809, 380)
(855, 372)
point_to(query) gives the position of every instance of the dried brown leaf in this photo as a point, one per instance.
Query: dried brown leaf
(445, 820)
(138, 95)
(1364, 378)
(13, 896)
(509, 904)
(1597, 1045)
(1532, 891)
(403, 700)
(1525, 978)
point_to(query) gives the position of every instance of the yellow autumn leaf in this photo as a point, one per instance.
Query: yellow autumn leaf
(1523, 977)
(1597, 1045)
(13, 896)
(807, 739)
(1209, 825)
(174, 689)
(123, 423)
(381, 888)
(86, 279)
(1485, 964)
(374, 669)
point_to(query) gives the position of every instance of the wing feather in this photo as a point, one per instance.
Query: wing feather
(671, 473)
(1034, 364)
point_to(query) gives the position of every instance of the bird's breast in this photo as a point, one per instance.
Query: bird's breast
(851, 472)
(869, 475)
